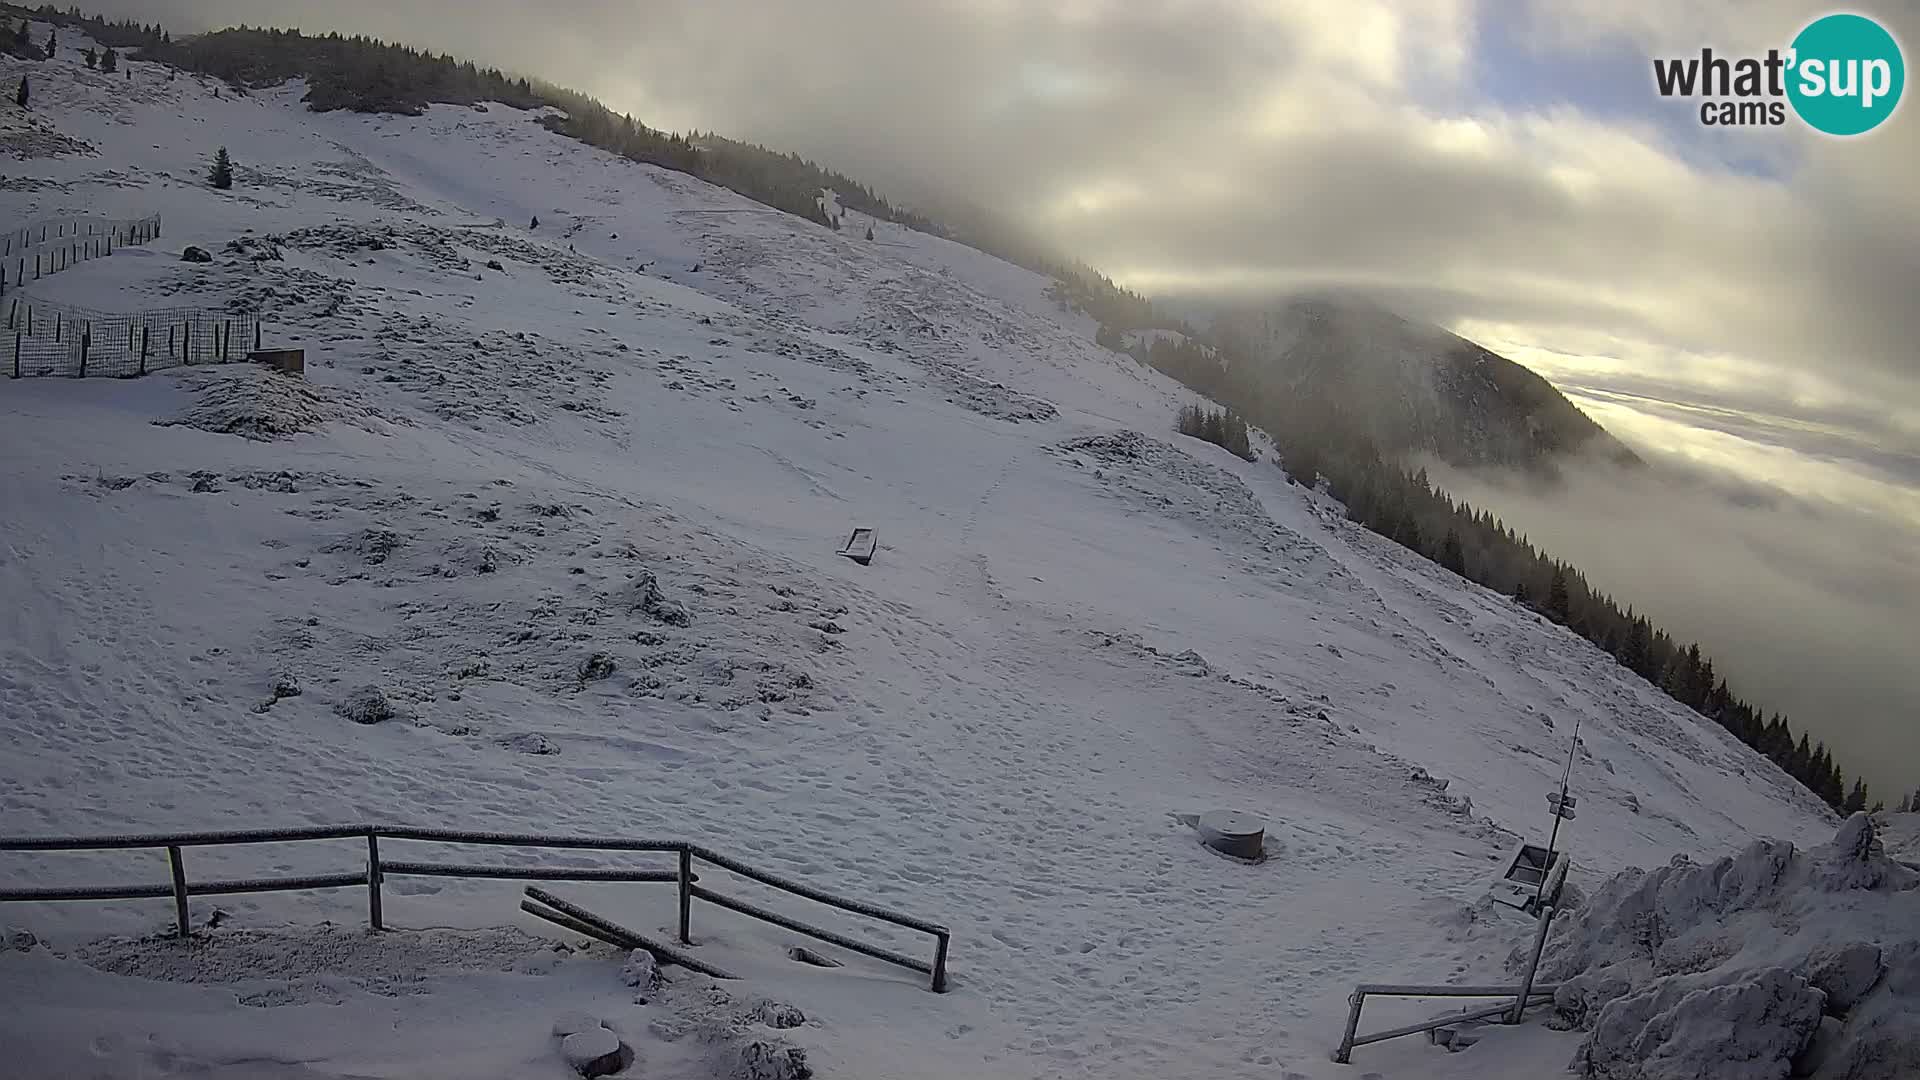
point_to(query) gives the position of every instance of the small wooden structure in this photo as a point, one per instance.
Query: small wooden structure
(286, 361)
(860, 546)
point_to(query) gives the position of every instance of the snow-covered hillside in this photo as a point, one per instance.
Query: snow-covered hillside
(1078, 625)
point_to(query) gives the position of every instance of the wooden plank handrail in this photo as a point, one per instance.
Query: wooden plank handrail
(376, 869)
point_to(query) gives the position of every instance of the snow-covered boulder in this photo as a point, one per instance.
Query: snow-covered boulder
(777, 1014)
(366, 704)
(1845, 973)
(1750, 1028)
(769, 1059)
(572, 1023)
(644, 595)
(594, 1052)
(640, 971)
(1724, 970)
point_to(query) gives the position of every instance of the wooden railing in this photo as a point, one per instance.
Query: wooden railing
(377, 869)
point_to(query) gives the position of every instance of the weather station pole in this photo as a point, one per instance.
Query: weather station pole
(1562, 806)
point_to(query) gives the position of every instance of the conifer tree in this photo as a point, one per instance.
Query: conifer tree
(53, 43)
(93, 58)
(869, 232)
(1857, 798)
(221, 175)
(109, 60)
(1559, 604)
(21, 96)
(1451, 555)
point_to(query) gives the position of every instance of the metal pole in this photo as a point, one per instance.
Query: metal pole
(1343, 1054)
(1533, 965)
(373, 880)
(686, 895)
(940, 966)
(179, 887)
(1553, 836)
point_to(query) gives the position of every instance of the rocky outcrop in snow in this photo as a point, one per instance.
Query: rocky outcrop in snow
(1727, 970)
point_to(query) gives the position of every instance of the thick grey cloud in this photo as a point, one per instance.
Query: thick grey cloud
(1759, 324)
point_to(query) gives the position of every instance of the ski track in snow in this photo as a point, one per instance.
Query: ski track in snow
(1070, 633)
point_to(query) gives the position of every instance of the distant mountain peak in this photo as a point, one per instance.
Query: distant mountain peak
(1414, 386)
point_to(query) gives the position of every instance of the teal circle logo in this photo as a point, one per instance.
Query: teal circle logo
(1846, 74)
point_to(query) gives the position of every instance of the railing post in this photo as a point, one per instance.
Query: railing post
(940, 965)
(1343, 1054)
(179, 887)
(686, 894)
(373, 880)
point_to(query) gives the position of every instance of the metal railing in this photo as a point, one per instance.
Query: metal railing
(377, 869)
(1509, 1008)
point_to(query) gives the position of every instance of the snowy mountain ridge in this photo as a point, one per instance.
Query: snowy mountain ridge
(568, 497)
(1414, 387)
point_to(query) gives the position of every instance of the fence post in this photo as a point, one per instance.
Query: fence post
(179, 887)
(86, 342)
(256, 336)
(58, 323)
(686, 894)
(226, 339)
(373, 880)
(146, 335)
(186, 342)
(1343, 1054)
(940, 966)
(16, 354)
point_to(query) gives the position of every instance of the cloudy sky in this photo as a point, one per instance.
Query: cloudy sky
(1744, 303)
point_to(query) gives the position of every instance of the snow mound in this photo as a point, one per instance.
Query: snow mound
(257, 403)
(1726, 970)
(1750, 1028)
(280, 967)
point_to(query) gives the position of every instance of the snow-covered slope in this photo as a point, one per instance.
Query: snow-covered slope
(1078, 624)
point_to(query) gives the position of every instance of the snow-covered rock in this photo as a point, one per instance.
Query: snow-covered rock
(596, 1051)
(1752, 1027)
(571, 1023)
(365, 704)
(1724, 969)
(641, 971)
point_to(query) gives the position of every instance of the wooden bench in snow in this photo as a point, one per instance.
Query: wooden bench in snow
(860, 546)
